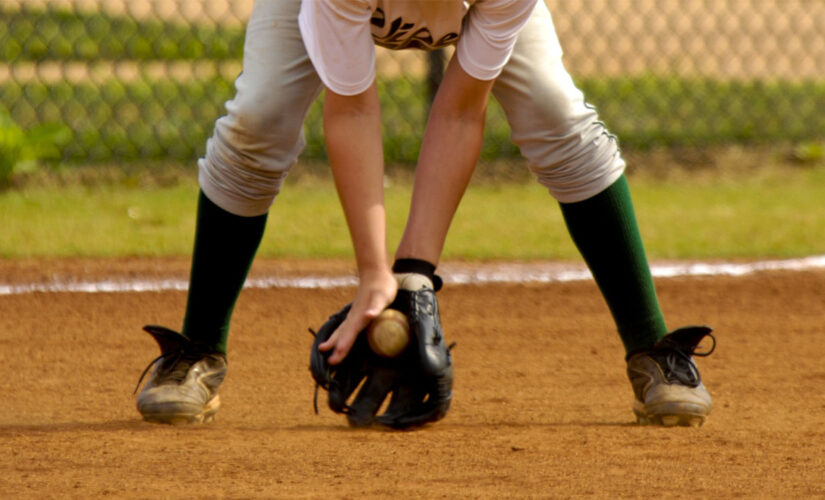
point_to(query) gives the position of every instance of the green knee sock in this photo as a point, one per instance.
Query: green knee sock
(225, 246)
(605, 231)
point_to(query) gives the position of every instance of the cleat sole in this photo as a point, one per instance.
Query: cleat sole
(176, 417)
(671, 414)
(670, 420)
(695, 421)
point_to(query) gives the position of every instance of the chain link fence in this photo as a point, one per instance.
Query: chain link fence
(146, 79)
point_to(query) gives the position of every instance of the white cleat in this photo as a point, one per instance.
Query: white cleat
(182, 388)
(667, 385)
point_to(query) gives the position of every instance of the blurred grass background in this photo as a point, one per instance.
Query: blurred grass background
(760, 207)
(722, 118)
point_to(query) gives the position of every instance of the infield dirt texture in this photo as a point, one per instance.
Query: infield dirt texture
(541, 408)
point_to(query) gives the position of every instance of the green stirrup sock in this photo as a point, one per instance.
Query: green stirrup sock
(605, 231)
(225, 246)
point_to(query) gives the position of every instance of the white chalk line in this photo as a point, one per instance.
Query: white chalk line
(456, 274)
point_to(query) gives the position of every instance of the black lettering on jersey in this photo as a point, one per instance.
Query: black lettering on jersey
(401, 36)
(378, 18)
(420, 39)
(448, 39)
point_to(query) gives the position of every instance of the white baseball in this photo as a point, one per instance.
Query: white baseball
(389, 333)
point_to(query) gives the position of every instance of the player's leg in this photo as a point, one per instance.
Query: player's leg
(252, 148)
(247, 159)
(571, 153)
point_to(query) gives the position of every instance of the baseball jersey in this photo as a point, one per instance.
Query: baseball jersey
(340, 35)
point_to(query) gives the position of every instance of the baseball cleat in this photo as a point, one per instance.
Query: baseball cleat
(182, 388)
(666, 382)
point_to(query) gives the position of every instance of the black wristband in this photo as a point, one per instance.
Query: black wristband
(417, 266)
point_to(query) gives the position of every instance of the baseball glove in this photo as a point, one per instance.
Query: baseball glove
(420, 379)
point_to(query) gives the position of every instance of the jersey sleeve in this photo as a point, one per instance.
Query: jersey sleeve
(337, 37)
(489, 35)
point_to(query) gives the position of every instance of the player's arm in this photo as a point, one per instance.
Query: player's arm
(454, 132)
(449, 152)
(337, 36)
(352, 128)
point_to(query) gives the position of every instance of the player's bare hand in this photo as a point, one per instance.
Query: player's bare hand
(375, 293)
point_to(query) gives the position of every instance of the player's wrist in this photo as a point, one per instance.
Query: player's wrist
(374, 271)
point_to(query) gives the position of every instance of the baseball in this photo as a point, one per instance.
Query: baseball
(389, 333)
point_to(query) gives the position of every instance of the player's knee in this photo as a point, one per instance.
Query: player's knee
(578, 165)
(263, 119)
(237, 187)
(252, 149)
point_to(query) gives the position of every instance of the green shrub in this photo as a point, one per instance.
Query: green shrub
(151, 118)
(23, 149)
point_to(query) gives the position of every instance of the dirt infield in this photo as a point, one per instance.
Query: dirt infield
(542, 405)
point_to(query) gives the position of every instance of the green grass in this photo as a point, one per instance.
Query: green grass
(769, 217)
(773, 214)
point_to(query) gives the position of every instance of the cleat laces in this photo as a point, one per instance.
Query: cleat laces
(676, 360)
(173, 367)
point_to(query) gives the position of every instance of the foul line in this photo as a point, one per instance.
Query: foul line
(502, 273)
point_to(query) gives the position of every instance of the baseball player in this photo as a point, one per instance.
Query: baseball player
(295, 49)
